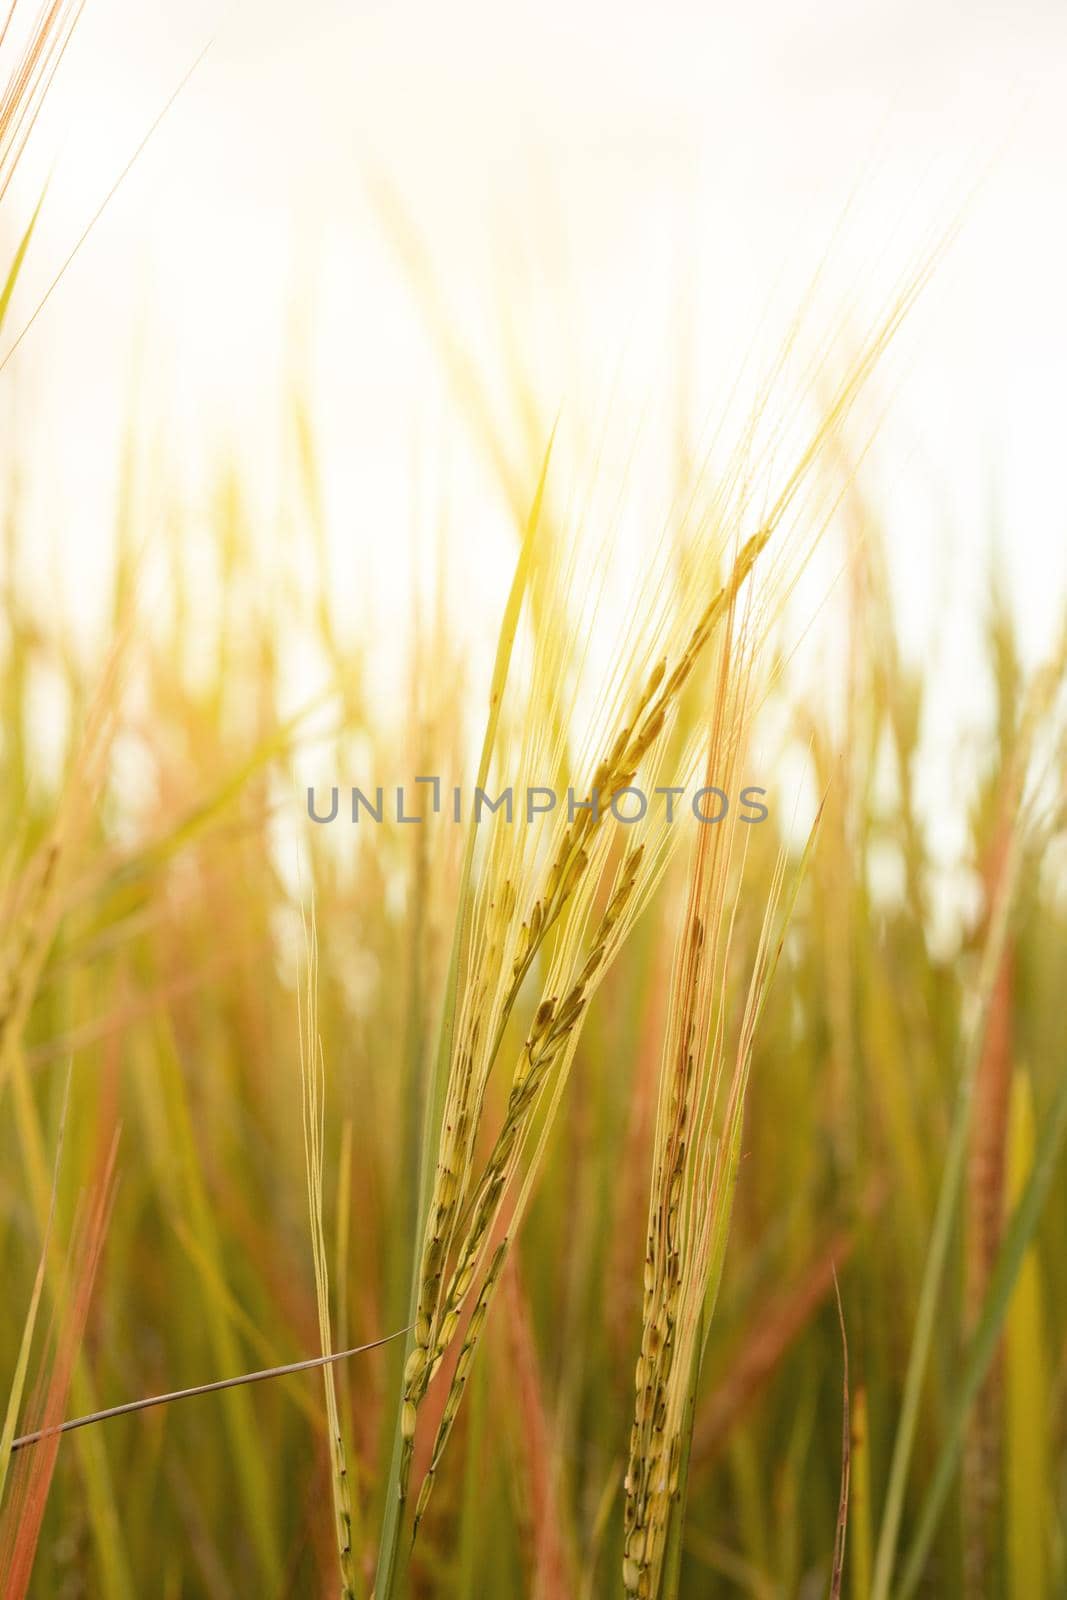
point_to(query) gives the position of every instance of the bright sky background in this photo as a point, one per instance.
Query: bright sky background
(615, 184)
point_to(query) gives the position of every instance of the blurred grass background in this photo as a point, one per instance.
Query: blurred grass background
(154, 861)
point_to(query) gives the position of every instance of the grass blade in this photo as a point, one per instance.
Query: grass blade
(1009, 1263)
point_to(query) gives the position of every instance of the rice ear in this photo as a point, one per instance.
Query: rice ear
(695, 1163)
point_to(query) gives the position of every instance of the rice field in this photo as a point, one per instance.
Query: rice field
(558, 1071)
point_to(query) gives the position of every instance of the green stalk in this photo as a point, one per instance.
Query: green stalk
(18, 1381)
(937, 1253)
(19, 257)
(983, 1346)
(672, 1563)
(388, 1569)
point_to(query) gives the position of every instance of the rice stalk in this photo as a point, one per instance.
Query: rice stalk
(698, 1125)
(837, 1570)
(983, 1345)
(440, 1083)
(31, 896)
(23, 1515)
(860, 1494)
(1027, 1470)
(1019, 804)
(312, 1078)
(986, 1176)
(18, 1379)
